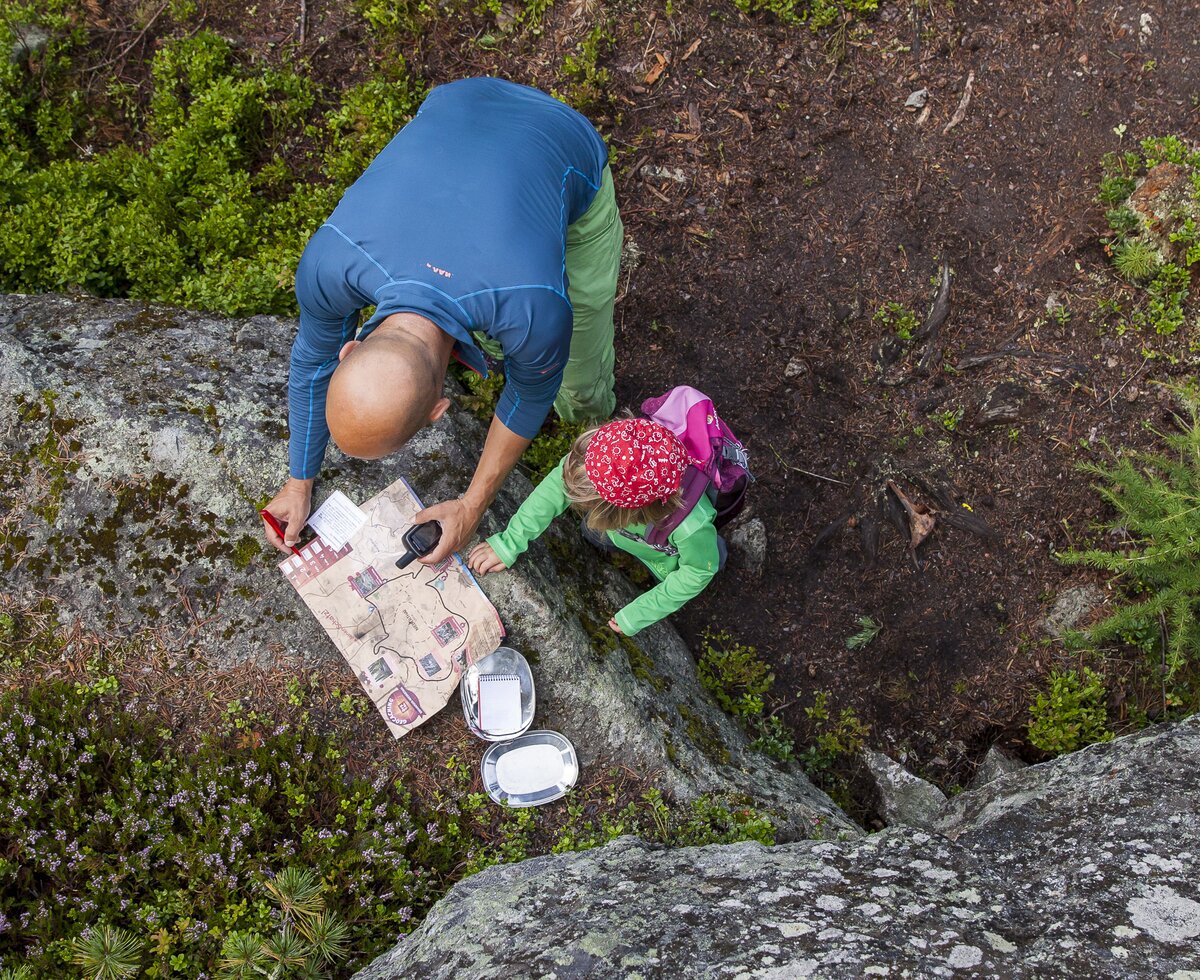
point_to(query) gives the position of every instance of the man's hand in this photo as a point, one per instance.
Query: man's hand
(612, 623)
(458, 519)
(483, 559)
(291, 506)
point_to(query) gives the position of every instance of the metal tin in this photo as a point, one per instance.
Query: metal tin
(504, 660)
(536, 768)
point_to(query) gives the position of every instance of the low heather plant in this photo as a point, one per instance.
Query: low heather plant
(121, 847)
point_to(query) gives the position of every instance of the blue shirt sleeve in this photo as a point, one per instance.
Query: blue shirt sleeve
(314, 356)
(327, 320)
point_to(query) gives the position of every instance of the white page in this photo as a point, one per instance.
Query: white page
(337, 519)
(499, 703)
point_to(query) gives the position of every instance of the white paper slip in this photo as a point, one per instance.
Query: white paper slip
(336, 520)
(499, 703)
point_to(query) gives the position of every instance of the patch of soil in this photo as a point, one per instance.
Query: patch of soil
(813, 197)
(778, 197)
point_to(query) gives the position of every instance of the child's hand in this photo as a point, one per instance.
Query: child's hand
(613, 624)
(483, 560)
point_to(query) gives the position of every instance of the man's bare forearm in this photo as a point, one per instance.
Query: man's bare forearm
(501, 451)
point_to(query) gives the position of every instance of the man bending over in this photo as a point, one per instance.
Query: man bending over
(489, 220)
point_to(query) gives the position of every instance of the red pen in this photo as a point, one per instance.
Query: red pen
(277, 527)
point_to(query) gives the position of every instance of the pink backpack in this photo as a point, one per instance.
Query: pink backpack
(723, 473)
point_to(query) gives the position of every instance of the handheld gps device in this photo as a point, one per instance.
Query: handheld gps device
(420, 539)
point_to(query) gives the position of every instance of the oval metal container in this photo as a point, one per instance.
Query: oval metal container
(504, 660)
(531, 770)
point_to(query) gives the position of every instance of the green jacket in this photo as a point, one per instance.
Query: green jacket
(680, 576)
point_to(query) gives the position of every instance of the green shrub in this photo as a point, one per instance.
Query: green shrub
(837, 737)
(1161, 306)
(587, 86)
(739, 681)
(1072, 713)
(214, 208)
(899, 319)
(733, 673)
(816, 13)
(1155, 498)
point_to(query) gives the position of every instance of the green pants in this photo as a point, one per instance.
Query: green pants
(593, 263)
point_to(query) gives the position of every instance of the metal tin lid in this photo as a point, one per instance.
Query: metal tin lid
(531, 770)
(503, 661)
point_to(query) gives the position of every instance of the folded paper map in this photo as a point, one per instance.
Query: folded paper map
(407, 635)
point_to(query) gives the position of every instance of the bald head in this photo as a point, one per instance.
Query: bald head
(383, 391)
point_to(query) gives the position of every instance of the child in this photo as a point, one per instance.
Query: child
(621, 477)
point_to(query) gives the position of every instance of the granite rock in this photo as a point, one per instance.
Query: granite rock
(136, 443)
(903, 797)
(1086, 866)
(994, 765)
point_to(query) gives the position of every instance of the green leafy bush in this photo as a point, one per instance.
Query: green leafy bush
(1154, 495)
(838, 737)
(213, 208)
(1072, 713)
(899, 319)
(816, 13)
(587, 85)
(1136, 257)
(733, 673)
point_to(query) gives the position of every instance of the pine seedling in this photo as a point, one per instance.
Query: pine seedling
(287, 949)
(868, 629)
(107, 953)
(297, 892)
(328, 936)
(242, 957)
(1136, 260)
(1156, 497)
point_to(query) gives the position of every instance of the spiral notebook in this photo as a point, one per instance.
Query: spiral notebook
(499, 703)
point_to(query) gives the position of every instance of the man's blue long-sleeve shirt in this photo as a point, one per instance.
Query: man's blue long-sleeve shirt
(462, 218)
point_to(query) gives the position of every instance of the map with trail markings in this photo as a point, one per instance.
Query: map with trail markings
(407, 634)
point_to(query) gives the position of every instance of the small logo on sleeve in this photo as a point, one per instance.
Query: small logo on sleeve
(440, 272)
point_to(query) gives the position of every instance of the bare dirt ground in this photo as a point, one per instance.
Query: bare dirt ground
(779, 192)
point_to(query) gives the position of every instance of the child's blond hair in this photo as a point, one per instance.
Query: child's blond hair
(598, 512)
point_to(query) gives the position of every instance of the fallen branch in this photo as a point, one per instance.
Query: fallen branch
(961, 112)
(938, 311)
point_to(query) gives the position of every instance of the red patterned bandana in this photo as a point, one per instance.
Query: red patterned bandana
(633, 462)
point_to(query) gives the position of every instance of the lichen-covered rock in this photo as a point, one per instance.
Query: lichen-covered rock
(136, 443)
(899, 900)
(903, 798)
(1107, 839)
(1081, 867)
(994, 765)
(1164, 200)
(749, 542)
(1070, 607)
